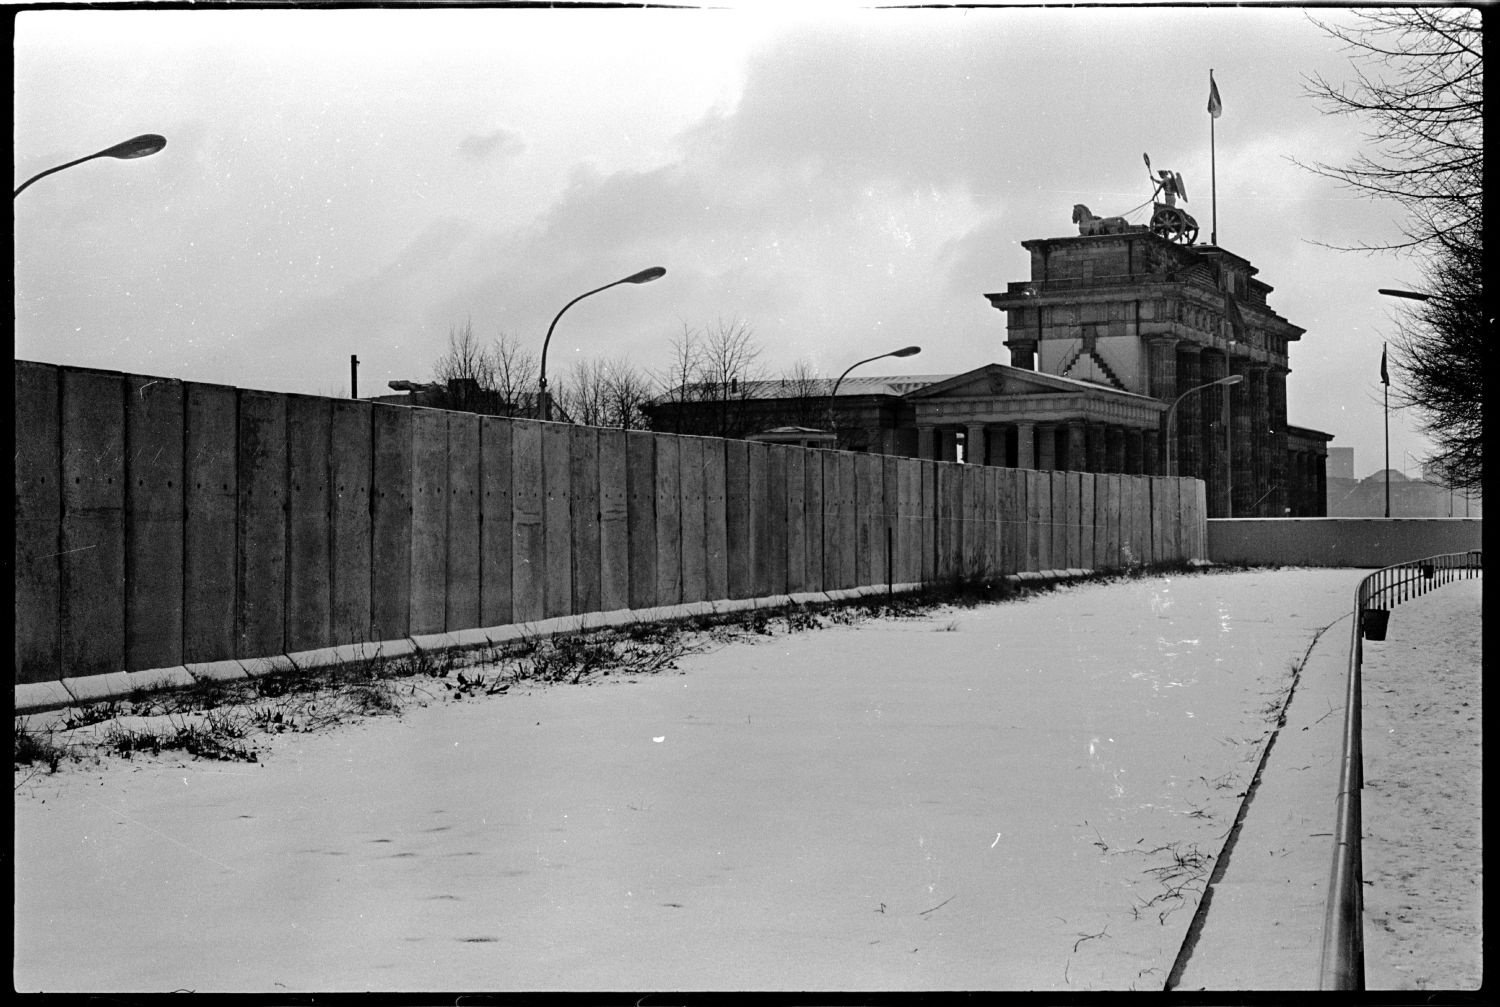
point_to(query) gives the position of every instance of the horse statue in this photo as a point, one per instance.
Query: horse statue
(1090, 224)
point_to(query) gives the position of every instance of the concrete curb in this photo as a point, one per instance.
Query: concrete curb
(1263, 917)
(42, 697)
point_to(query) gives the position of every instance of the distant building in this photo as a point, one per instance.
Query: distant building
(1341, 463)
(1111, 342)
(797, 437)
(465, 395)
(1409, 497)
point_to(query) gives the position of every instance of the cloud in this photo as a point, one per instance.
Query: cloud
(500, 143)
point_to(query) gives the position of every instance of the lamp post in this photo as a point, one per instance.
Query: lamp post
(905, 351)
(1385, 379)
(1232, 379)
(140, 146)
(644, 276)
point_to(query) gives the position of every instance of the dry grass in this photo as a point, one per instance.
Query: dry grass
(232, 720)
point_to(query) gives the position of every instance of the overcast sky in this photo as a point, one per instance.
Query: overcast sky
(360, 181)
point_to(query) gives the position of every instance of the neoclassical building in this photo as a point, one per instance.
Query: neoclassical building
(1129, 353)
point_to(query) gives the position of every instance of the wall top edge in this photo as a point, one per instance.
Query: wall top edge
(1282, 521)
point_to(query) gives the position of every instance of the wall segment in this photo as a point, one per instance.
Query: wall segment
(162, 523)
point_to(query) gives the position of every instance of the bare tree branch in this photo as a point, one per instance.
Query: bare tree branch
(1419, 83)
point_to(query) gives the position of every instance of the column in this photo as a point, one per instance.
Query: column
(976, 447)
(1046, 446)
(1243, 488)
(1134, 464)
(1114, 449)
(1297, 464)
(1151, 454)
(1214, 464)
(1187, 423)
(1276, 400)
(1095, 436)
(1162, 379)
(1260, 441)
(926, 441)
(1025, 442)
(1078, 451)
(1320, 485)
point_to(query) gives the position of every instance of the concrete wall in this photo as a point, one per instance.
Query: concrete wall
(1348, 542)
(162, 523)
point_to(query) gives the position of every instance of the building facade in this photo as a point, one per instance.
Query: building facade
(1128, 353)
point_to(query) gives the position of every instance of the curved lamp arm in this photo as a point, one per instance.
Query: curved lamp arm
(644, 276)
(905, 351)
(1232, 379)
(140, 146)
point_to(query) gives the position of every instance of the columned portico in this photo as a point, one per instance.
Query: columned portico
(1053, 420)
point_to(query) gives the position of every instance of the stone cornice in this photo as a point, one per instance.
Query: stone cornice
(1138, 411)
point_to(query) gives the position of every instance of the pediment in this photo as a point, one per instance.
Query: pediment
(995, 380)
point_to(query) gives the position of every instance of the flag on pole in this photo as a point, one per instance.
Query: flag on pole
(1215, 106)
(1385, 376)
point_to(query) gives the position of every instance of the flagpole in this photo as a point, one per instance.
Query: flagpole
(1385, 380)
(1213, 170)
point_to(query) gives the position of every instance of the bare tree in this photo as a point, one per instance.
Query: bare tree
(628, 389)
(606, 394)
(584, 394)
(1420, 87)
(464, 371)
(681, 385)
(714, 386)
(498, 379)
(516, 369)
(1440, 351)
(727, 376)
(803, 397)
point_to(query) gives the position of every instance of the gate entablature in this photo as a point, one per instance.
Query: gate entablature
(1103, 297)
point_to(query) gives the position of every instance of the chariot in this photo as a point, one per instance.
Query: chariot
(1167, 219)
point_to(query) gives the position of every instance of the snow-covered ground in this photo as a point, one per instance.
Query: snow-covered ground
(1028, 795)
(1423, 853)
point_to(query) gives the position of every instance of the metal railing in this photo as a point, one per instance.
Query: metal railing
(1343, 965)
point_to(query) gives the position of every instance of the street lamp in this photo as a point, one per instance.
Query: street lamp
(905, 351)
(1408, 294)
(141, 146)
(644, 276)
(1385, 380)
(1232, 379)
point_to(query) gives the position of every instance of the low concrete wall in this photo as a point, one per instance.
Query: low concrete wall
(169, 524)
(1350, 542)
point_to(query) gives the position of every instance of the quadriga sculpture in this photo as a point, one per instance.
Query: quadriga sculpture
(1090, 224)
